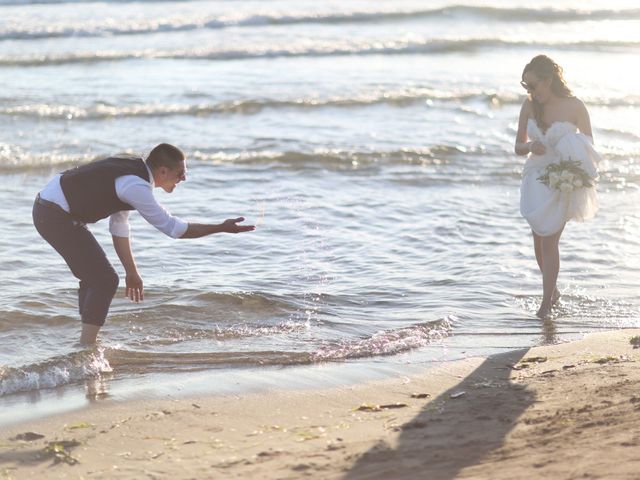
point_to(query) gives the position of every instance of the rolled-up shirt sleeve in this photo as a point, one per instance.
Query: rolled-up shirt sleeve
(139, 194)
(119, 224)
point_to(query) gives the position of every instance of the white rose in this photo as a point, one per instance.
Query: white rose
(577, 183)
(554, 178)
(566, 175)
(566, 187)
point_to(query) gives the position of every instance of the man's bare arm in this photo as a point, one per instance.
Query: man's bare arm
(134, 286)
(197, 230)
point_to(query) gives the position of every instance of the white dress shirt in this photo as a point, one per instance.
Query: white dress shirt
(134, 191)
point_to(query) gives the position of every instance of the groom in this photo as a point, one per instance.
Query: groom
(111, 188)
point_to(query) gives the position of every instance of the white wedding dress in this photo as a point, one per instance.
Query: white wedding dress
(547, 209)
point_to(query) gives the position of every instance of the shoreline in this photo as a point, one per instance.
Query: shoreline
(102, 392)
(567, 410)
(32, 405)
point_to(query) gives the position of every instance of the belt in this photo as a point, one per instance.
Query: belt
(54, 206)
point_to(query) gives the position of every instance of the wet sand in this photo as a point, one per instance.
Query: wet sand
(562, 411)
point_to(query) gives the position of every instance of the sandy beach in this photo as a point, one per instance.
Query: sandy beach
(564, 411)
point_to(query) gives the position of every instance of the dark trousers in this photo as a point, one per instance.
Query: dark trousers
(84, 256)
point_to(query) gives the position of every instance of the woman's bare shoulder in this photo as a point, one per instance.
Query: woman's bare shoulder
(575, 104)
(578, 108)
(527, 108)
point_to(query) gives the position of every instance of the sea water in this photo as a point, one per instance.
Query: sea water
(372, 145)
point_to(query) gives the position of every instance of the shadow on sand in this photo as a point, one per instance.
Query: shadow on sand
(450, 434)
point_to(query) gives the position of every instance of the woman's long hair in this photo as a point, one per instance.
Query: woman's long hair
(544, 68)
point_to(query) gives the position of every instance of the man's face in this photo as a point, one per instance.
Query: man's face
(170, 177)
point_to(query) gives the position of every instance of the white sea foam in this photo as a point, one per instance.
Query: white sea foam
(53, 373)
(386, 342)
(115, 18)
(319, 49)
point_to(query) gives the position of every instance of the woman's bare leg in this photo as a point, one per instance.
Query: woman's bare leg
(537, 247)
(549, 247)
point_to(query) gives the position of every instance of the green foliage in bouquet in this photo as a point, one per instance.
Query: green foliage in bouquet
(566, 176)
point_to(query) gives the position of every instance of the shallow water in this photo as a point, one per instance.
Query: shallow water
(370, 142)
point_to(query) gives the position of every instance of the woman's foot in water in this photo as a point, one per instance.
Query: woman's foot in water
(544, 311)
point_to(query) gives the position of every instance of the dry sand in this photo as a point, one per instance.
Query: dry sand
(555, 412)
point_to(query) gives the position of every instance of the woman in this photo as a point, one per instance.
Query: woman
(553, 126)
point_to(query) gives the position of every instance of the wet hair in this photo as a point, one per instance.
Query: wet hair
(164, 155)
(544, 68)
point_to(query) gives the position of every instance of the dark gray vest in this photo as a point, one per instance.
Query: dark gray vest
(91, 189)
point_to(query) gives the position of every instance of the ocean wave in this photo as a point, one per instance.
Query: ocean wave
(621, 134)
(382, 343)
(15, 319)
(435, 154)
(259, 302)
(197, 21)
(218, 332)
(56, 372)
(399, 98)
(322, 158)
(386, 342)
(337, 159)
(14, 158)
(139, 359)
(211, 317)
(390, 47)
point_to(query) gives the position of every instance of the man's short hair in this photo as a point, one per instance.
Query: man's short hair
(164, 155)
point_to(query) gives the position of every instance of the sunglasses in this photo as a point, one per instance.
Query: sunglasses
(528, 87)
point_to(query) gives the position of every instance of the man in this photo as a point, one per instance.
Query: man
(110, 188)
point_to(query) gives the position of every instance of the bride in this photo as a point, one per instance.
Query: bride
(553, 126)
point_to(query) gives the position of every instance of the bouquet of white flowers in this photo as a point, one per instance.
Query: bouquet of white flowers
(566, 176)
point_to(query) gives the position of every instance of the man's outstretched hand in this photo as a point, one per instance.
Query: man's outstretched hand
(197, 230)
(231, 226)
